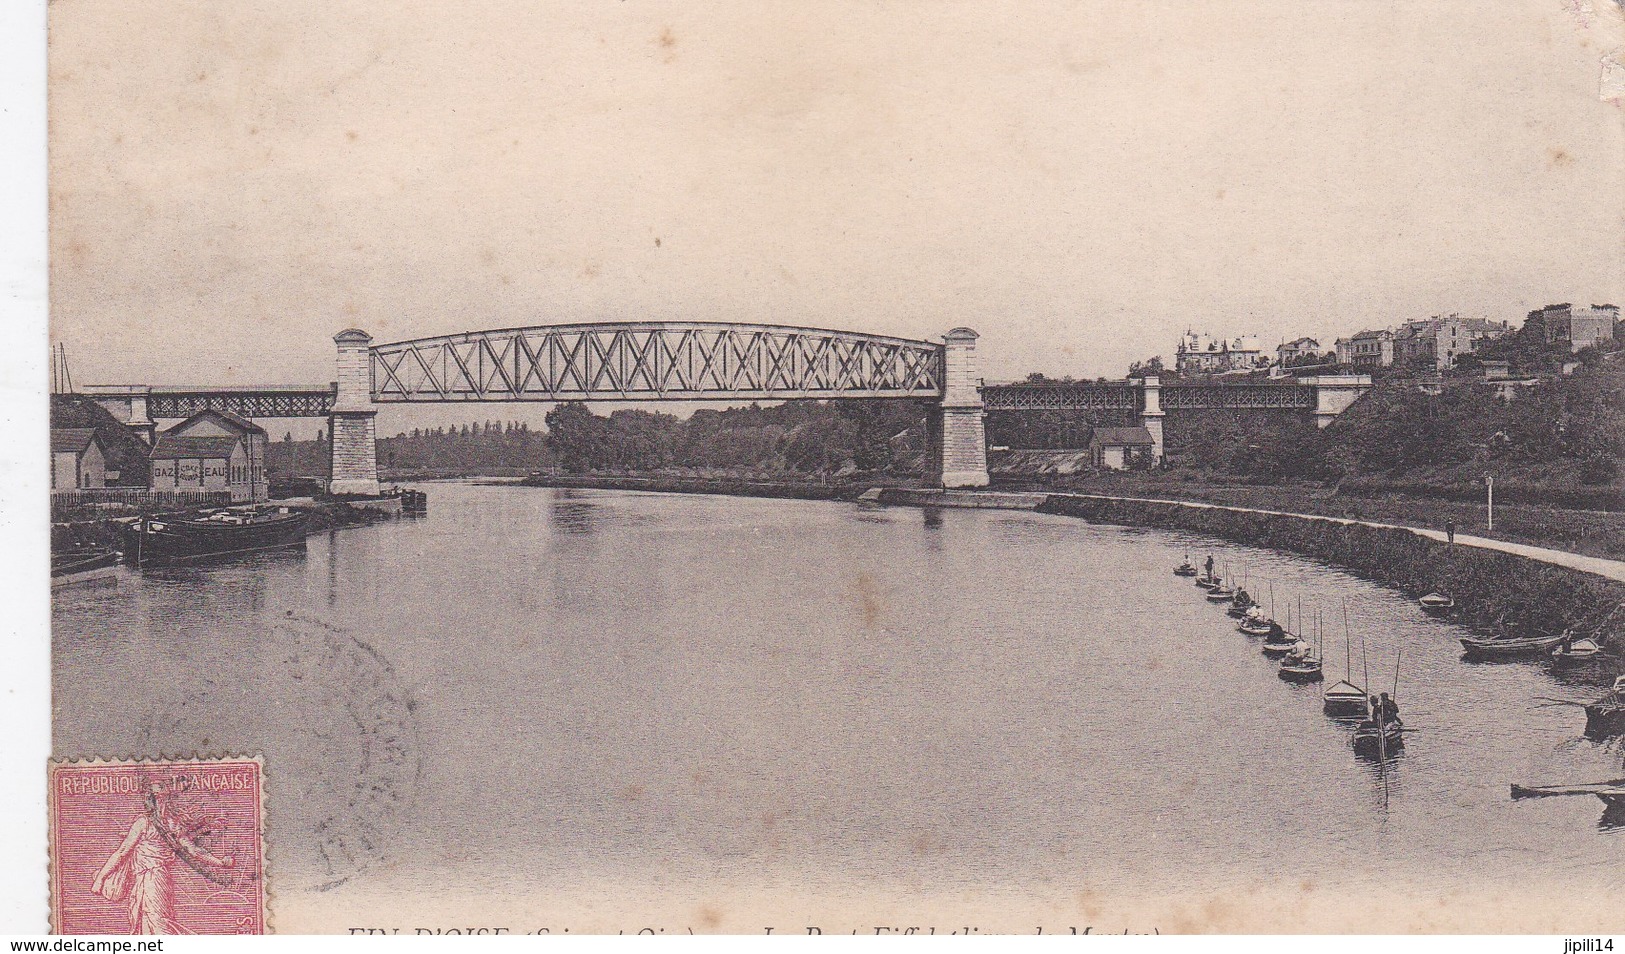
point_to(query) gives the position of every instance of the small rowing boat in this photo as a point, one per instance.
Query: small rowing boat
(1576, 652)
(1279, 642)
(1371, 742)
(1437, 604)
(1508, 647)
(1343, 698)
(1240, 604)
(1185, 569)
(1255, 625)
(81, 564)
(1221, 594)
(1301, 665)
(1612, 793)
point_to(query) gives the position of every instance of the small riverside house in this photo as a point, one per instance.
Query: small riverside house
(246, 479)
(78, 459)
(1114, 447)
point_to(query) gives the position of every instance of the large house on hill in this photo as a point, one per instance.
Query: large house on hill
(1580, 327)
(1205, 354)
(1437, 342)
(1297, 350)
(1368, 349)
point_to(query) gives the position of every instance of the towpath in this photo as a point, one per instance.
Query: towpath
(1612, 569)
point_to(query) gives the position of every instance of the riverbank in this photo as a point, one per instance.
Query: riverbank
(1598, 533)
(725, 486)
(968, 499)
(1495, 592)
(106, 531)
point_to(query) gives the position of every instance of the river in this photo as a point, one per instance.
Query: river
(702, 696)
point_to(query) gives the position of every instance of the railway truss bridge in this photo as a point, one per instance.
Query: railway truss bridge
(697, 361)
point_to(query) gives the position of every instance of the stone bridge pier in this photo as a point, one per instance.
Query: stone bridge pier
(352, 423)
(956, 431)
(1334, 393)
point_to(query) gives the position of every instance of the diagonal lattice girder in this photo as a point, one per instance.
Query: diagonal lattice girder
(680, 361)
(251, 402)
(1126, 396)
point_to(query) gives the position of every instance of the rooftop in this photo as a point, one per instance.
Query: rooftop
(1134, 436)
(230, 417)
(172, 447)
(71, 440)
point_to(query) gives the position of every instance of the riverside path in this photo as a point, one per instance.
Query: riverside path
(1611, 569)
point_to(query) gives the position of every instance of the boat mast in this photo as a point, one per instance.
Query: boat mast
(1348, 649)
(1365, 664)
(61, 377)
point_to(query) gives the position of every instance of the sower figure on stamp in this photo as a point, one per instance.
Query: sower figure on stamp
(142, 868)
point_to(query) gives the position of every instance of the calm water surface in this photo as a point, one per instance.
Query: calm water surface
(685, 687)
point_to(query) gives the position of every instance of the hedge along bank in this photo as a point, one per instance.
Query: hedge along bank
(1494, 592)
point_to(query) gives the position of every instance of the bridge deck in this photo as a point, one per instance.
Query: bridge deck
(1128, 396)
(178, 401)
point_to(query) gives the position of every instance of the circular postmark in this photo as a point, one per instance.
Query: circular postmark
(349, 755)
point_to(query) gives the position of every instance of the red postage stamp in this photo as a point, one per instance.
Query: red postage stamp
(158, 847)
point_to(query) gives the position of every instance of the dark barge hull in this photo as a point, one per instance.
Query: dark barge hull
(185, 542)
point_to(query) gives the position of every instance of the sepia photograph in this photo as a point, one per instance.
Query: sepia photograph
(877, 467)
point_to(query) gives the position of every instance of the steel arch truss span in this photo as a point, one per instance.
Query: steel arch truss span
(655, 361)
(1082, 396)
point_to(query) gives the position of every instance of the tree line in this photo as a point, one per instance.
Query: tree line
(803, 437)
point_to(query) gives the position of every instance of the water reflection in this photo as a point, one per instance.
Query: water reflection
(612, 683)
(571, 512)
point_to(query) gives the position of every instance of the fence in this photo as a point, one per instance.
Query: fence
(64, 501)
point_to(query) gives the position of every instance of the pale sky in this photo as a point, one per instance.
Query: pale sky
(1080, 181)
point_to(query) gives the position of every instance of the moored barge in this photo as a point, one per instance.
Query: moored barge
(230, 532)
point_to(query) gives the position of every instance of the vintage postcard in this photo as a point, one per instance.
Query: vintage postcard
(814, 468)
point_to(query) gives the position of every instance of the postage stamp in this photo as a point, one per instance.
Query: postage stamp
(158, 847)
